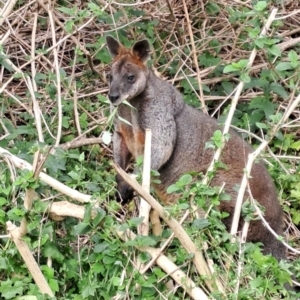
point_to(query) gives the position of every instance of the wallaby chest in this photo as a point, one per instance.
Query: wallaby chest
(129, 128)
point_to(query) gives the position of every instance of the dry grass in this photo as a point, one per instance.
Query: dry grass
(28, 29)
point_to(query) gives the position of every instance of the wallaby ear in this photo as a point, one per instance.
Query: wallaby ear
(113, 46)
(142, 49)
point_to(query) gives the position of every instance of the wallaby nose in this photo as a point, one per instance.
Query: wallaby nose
(113, 97)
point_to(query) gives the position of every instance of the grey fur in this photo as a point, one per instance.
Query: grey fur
(179, 134)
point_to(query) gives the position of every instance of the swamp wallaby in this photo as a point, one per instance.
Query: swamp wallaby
(179, 134)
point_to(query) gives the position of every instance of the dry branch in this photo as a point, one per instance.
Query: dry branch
(30, 262)
(5, 12)
(65, 208)
(80, 143)
(169, 267)
(179, 232)
(23, 165)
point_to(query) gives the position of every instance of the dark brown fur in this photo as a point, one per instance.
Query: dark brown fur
(179, 134)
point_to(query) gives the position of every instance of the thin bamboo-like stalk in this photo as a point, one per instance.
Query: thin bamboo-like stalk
(33, 89)
(58, 85)
(144, 210)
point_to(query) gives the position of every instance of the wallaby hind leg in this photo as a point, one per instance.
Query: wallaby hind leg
(273, 246)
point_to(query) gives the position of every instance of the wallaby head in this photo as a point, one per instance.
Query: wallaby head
(128, 75)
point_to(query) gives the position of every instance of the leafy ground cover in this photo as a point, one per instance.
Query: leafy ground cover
(55, 115)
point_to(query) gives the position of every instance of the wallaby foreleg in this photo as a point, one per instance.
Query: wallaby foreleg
(122, 157)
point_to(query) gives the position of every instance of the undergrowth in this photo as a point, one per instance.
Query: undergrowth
(53, 100)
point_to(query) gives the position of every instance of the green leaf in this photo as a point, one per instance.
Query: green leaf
(99, 248)
(82, 228)
(260, 5)
(40, 77)
(201, 223)
(217, 136)
(259, 42)
(99, 217)
(51, 250)
(68, 11)
(172, 189)
(47, 271)
(95, 9)
(212, 8)
(9, 291)
(261, 125)
(134, 222)
(128, 104)
(69, 26)
(225, 197)
(81, 157)
(293, 57)
(123, 227)
(88, 290)
(295, 193)
(242, 64)
(145, 241)
(185, 180)
(245, 78)
(74, 175)
(278, 89)
(3, 200)
(183, 206)
(109, 260)
(54, 285)
(116, 281)
(3, 263)
(295, 216)
(275, 50)
(283, 66)
(124, 120)
(103, 99)
(228, 87)
(83, 120)
(296, 145)
(29, 297)
(230, 68)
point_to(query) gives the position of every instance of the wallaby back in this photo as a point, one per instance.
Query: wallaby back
(179, 134)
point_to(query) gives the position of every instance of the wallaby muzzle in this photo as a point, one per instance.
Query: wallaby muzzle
(113, 98)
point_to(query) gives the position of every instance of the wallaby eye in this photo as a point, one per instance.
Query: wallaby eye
(108, 77)
(130, 78)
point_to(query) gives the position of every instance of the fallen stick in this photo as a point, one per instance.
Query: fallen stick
(24, 165)
(30, 262)
(180, 233)
(169, 267)
(65, 208)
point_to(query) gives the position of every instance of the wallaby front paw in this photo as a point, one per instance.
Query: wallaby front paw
(125, 192)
